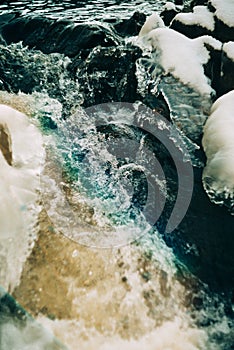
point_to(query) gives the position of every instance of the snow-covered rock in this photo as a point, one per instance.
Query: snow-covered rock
(200, 16)
(183, 57)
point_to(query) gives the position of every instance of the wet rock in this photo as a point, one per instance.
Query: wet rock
(107, 74)
(212, 68)
(131, 26)
(204, 240)
(168, 15)
(191, 31)
(220, 70)
(59, 36)
(227, 74)
(222, 31)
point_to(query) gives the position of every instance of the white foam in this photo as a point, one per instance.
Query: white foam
(218, 143)
(183, 57)
(31, 336)
(19, 183)
(152, 22)
(172, 335)
(228, 48)
(224, 11)
(200, 16)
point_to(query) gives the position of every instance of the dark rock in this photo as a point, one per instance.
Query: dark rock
(51, 36)
(204, 240)
(108, 74)
(131, 26)
(226, 76)
(222, 31)
(212, 68)
(191, 31)
(168, 15)
(198, 3)
(220, 70)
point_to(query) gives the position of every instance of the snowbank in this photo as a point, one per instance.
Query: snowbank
(218, 143)
(200, 16)
(21, 159)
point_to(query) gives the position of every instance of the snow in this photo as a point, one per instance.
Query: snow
(218, 144)
(152, 22)
(19, 183)
(200, 16)
(183, 57)
(228, 48)
(224, 11)
(169, 6)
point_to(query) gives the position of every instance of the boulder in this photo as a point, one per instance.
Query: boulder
(107, 74)
(131, 26)
(50, 35)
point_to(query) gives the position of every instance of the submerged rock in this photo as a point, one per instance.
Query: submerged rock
(107, 74)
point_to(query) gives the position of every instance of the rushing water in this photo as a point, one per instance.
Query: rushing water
(134, 296)
(84, 11)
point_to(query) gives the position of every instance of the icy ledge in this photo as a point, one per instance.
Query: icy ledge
(218, 143)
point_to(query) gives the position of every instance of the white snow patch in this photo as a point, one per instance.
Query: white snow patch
(152, 22)
(228, 48)
(19, 183)
(183, 57)
(218, 144)
(200, 16)
(224, 11)
(169, 6)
